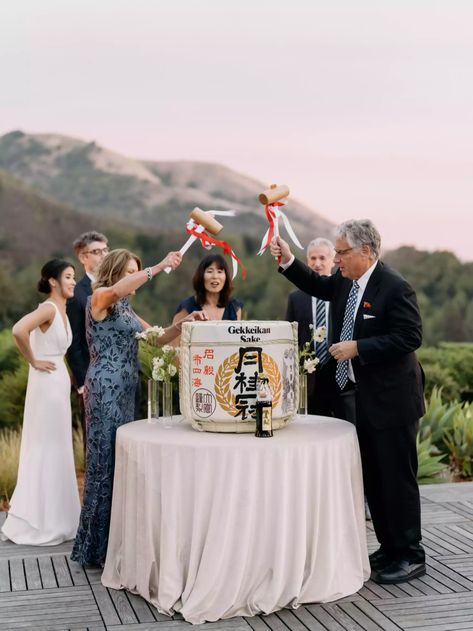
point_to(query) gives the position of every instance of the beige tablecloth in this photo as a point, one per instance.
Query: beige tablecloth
(221, 525)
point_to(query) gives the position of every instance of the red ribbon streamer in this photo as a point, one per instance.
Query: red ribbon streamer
(271, 215)
(206, 240)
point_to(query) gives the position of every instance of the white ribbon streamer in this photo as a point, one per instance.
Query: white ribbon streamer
(287, 224)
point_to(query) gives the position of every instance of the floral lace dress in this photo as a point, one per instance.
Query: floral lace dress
(109, 398)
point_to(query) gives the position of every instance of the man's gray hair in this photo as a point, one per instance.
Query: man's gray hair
(86, 239)
(320, 242)
(359, 232)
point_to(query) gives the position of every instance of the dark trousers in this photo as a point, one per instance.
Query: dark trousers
(321, 391)
(389, 461)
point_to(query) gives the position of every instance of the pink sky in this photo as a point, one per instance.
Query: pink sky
(364, 109)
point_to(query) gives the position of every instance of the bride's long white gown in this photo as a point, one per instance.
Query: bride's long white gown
(45, 507)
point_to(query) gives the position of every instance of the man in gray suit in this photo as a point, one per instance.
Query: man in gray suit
(306, 310)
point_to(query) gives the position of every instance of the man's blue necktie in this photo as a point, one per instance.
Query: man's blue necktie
(341, 374)
(321, 348)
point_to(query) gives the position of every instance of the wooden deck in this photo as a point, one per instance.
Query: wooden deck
(40, 588)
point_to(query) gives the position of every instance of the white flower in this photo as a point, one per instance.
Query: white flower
(311, 326)
(167, 348)
(157, 330)
(320, 334)
(158, 362)
(310, 365)
(140, 335)
(172, 370)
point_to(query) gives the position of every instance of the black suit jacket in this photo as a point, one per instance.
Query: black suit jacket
(387, 373)
(78, 352)
(321, 383)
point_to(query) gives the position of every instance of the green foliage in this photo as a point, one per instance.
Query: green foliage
(12, 396)
(444, 287)
(449, 366)
(78, 445)
(430, 465)
(437, 420)
(9, 456)
(459, 441)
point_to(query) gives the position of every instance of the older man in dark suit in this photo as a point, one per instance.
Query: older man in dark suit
(307, 310)
(90, 249)
(375, 328)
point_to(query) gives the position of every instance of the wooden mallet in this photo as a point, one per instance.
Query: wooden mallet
(203, 221)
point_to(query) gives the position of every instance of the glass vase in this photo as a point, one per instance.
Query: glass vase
(302, 410)
(153, 401)
(166, 403)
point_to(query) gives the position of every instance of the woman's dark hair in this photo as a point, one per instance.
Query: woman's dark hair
(52, 269)
(199, 285)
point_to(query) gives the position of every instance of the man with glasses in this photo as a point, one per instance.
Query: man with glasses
(90, 248)
(375, 328)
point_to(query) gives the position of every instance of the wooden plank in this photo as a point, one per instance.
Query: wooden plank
(275, 623)
(17, 575)
(9, 550)
(305, 616)
(61, 569)
(123, 607)
(77, 572)
(33, 577)
(256, 623)
(377, 616)
(141, 608)
(326, 620)
(105, 604)
(48, 577)
(363, 621)
(45, 594)
(290, 620)
(5, 585)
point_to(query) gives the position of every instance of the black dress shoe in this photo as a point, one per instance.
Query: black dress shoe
(398, 572)
(379, 559)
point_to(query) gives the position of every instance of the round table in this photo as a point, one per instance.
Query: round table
(222, 525)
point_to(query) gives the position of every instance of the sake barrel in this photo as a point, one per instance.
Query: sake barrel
(219, 364)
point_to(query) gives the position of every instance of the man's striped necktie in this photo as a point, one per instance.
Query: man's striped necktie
(321, 348)
(341, 373)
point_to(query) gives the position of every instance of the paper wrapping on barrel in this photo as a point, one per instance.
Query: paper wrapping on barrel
(219, 365)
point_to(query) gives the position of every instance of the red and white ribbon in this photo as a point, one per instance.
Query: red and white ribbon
(274, 214)
(197, 232)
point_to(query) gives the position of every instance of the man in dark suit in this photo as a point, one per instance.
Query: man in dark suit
(307, 310)
(374, 330)
(90, 248)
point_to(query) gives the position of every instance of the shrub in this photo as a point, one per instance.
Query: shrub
(12, 396)
(437, 420)
(429, 459)
(78, 444)
(9, 457)
(459, 441)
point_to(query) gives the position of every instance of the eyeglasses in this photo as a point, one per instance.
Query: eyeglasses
(343, 252)
(98, 251)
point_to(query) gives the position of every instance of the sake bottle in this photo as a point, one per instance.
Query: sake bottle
(264, 407)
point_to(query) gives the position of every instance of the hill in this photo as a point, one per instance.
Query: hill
(34, 227)
(92, 179)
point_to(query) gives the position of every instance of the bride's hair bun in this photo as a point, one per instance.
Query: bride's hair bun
(51, 269)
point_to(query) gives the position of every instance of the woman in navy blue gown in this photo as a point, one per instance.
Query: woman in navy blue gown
(110, 385)
(213, 289)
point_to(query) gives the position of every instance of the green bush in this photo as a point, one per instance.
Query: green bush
(437, 420)
(459, 441)
(9, 456)
(12, 396)
(430, 468)
(450, 366)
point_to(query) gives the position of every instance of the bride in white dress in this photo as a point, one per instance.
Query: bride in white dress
(45, 506)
